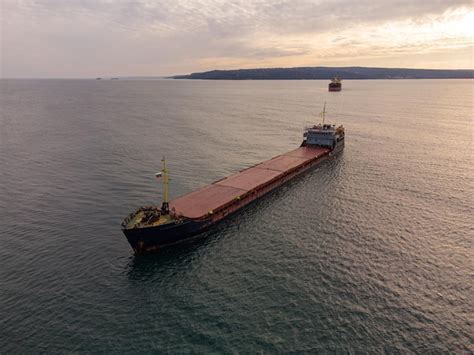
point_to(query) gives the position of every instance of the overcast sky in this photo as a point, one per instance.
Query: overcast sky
(90, 38)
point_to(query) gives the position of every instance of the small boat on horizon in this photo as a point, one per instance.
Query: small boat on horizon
(335, 84)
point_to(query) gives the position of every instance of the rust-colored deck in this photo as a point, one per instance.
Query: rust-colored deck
(199, 203)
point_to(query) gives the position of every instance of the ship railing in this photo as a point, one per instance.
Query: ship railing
(151, 214)
(128, 219)
(320, 127)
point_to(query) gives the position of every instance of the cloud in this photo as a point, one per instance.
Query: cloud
(87, 38)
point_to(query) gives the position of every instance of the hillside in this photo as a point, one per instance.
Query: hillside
(302, 73)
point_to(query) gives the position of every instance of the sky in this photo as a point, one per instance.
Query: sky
(91, 38)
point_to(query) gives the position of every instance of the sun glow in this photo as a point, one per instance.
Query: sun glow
(449, 32)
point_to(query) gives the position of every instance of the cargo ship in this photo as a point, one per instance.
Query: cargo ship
(335, 85)
(152, 228)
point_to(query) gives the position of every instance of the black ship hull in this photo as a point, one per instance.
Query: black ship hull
(154, 238)
(335, 88)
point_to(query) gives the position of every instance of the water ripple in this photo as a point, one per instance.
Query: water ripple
(370, 252)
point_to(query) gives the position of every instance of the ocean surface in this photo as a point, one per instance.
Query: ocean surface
(370, 252)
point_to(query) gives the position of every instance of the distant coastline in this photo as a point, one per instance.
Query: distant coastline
(326, 73)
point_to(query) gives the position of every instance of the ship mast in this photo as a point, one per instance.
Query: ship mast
(165, 209)
(324, 112)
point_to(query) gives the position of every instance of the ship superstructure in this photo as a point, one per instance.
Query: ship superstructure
(151, 228)
(324, 135)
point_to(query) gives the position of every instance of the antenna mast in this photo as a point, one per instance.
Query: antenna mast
(165, 208)
(324, 111)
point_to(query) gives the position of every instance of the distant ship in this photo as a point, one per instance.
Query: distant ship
(335, 84)
(152, 228)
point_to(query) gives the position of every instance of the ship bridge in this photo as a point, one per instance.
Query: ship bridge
(323, 135)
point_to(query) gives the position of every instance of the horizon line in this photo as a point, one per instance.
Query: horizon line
(171, 76)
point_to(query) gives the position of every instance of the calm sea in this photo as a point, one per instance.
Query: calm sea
(372, 251)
